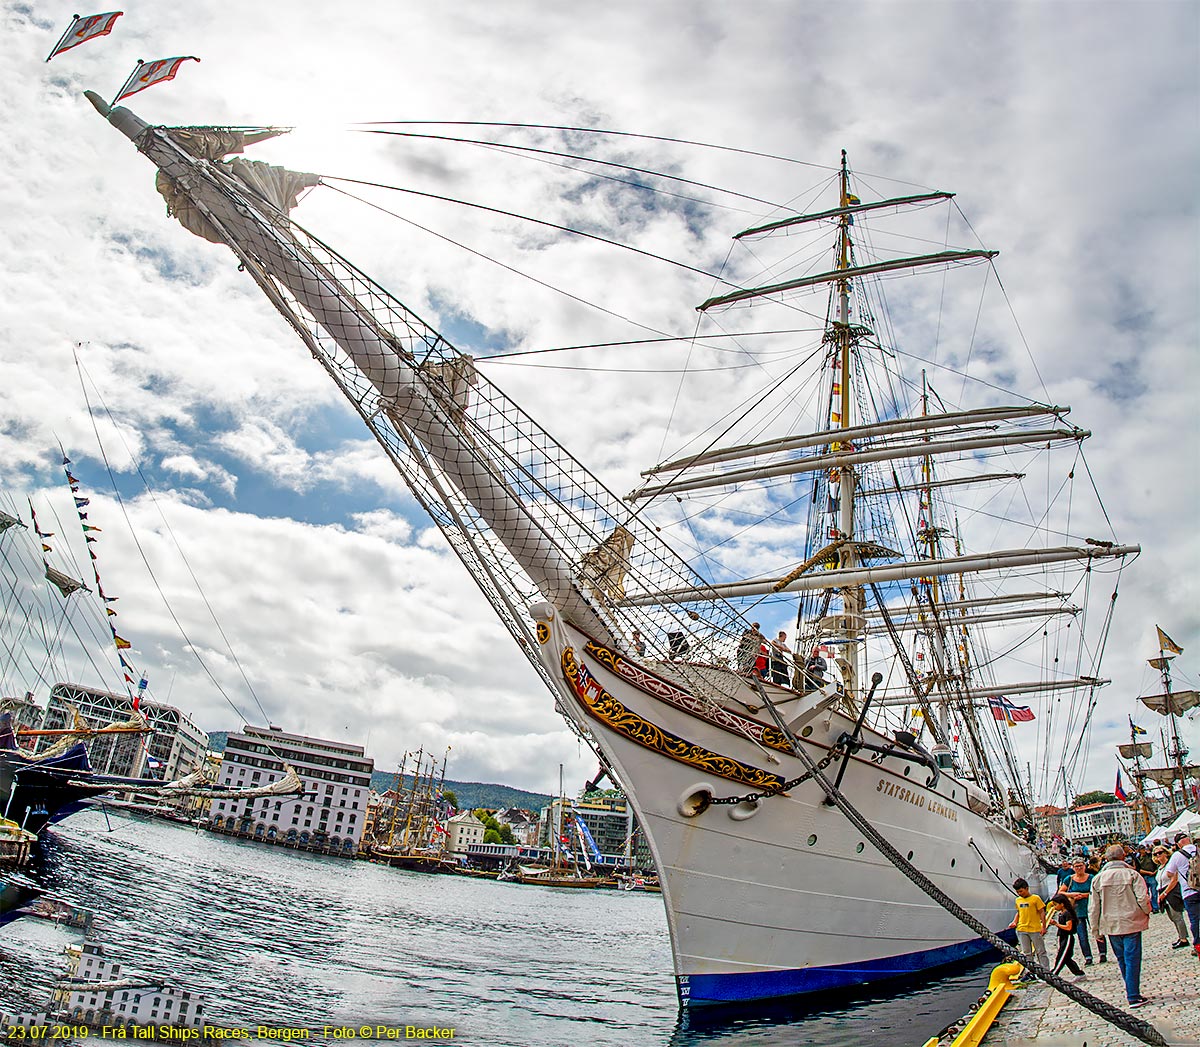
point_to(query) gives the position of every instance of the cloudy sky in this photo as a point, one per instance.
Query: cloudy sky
(277, 571)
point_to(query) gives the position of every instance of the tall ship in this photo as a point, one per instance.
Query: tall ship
(835, 809)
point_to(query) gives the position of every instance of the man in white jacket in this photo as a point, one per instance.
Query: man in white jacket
(1121, 901)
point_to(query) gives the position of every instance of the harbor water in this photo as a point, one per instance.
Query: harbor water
(269, 936)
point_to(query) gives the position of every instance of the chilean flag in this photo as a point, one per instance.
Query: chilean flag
(1118, 792)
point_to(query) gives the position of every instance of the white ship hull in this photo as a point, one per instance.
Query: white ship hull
(791, 899)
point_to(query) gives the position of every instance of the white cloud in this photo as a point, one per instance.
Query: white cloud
(1068, 132)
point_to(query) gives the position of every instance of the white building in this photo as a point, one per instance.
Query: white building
(175, 742)
(330, 814)
(1098, 823)
(463, 830)
(25, 711)
(147, 1005)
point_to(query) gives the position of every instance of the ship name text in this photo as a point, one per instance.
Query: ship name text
(917, 799)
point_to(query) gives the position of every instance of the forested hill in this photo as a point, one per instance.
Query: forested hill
(469, 794)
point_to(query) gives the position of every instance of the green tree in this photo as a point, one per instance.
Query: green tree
(1095, 796)
(506, 835)
(491, 836)
(450, 798)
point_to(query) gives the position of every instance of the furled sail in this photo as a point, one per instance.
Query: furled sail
(64, 583)
(1176, 703)
(7, 521)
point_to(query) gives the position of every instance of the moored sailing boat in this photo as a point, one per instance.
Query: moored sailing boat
(769, 890)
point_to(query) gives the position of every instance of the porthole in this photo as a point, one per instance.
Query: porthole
(858, 849)
(806, 732)
(910, 854)
(906, 770)
(952, 861)
(954, 794)
(981, 868)
(812, 839)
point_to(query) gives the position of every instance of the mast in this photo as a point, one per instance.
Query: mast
(843, 477)
(1178, 751)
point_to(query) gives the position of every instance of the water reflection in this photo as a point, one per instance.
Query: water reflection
(270, 936)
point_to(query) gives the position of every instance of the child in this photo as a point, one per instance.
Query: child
(1061, 913)
(1030, 922)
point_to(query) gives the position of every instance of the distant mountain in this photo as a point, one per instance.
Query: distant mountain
(469, 794)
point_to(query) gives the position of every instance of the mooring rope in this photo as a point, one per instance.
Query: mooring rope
(1130, 1023)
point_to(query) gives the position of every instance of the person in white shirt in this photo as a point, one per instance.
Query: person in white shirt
(1177, 872)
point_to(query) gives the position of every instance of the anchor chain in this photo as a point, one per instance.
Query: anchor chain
(832, 755)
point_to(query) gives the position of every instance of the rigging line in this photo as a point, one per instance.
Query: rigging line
(623, 370)
(963, 374)
(526, 218)
(628, 134)
(652, 341)
(145, 560)
(497, 262)
(578, 156)
(1011, 311)
(499, 147)
(1095, 490)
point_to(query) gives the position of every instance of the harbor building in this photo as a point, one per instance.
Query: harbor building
(130, 1001)
(331, 813)
(1048, 821)
(464, 831)
(611, 822)
(522, 823)
(25, 711)
(175, 743)
(1098, 823)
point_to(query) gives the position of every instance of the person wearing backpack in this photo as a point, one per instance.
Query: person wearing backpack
(1184, 869)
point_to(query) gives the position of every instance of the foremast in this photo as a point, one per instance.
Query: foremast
(842, 478)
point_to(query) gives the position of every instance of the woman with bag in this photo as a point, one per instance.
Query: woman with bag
(1170, 901)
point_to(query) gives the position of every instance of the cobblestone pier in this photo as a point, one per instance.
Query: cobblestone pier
(1040, 1017)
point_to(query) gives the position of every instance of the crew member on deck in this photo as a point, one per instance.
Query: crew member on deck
(814, 670)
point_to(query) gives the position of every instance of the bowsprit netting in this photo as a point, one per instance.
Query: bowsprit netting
(526, 518)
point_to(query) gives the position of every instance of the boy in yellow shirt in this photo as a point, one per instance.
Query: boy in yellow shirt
(1030, 922)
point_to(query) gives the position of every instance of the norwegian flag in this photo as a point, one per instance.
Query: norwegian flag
(147, 74)
(83, 29)
(1003, 709)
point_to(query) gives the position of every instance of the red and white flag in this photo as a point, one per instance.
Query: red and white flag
(147, 74)
(83, 29)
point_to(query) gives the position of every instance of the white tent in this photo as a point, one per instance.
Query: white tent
(1188, 821)
(1159, 832)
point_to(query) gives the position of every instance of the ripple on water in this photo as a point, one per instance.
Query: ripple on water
(273, 936)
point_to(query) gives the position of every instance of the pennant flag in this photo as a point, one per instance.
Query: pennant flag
(1161, 663)
(147, 74)
(89, 527)
(143, 683)
(137, 698)
(1135, 728)
(128, 678)
(110, 612)
(70, 479)
(124, 645)
(1003, 709)
(81, 502)
(1165, 643)
(1119, 792)
(152, 763)
(46, 548)
(124, 664)
(80, 31)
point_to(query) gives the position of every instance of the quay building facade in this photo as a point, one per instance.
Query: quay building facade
(329, 816)
(175, 742)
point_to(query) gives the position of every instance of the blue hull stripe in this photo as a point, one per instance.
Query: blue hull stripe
(699, 990)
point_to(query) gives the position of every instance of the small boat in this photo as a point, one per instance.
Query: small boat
(15, 843)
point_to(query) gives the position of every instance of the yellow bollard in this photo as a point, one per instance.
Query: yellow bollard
(998, 991)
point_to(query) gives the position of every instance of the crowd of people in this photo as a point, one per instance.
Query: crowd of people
(1113, 898)
(774, 660)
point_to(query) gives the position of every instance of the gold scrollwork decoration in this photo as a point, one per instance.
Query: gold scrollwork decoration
(609, 711)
